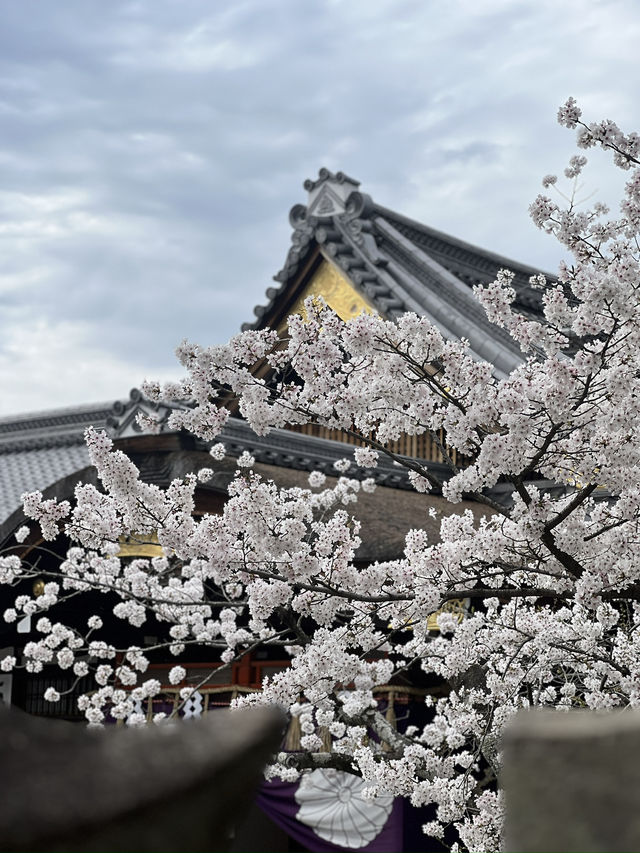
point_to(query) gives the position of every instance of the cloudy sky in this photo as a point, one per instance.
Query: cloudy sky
(150, 152)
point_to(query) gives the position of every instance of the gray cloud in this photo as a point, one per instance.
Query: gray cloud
(150, 152)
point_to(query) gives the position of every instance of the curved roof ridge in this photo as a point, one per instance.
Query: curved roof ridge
(493, 257)
(70, 414)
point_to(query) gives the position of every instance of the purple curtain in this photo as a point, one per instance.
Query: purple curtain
(277, 800)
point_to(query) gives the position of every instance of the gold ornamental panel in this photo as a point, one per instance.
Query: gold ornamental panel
(336, 290)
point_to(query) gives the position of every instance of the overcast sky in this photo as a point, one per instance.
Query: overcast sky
(150, 152)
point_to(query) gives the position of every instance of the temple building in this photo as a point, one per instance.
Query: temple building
(359, 256)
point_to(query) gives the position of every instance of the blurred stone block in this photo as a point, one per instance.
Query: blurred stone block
(176, 787)
(572, 781)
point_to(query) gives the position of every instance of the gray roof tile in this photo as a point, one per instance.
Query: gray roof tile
(28, 470)
(39, 448)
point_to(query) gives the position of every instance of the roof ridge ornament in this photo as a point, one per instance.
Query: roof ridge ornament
(124, 419)
(328, 194)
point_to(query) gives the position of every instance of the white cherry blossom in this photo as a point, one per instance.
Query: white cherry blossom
(548, 577)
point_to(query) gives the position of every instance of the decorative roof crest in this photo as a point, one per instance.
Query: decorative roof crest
(329, 193)
(124, 419)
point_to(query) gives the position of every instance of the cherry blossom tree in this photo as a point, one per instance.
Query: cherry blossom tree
(551, 578)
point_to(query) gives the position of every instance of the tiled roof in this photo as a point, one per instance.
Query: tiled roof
(52, 428)
(401, 265)
(40, 448)
(38, 451)
(28, 470)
